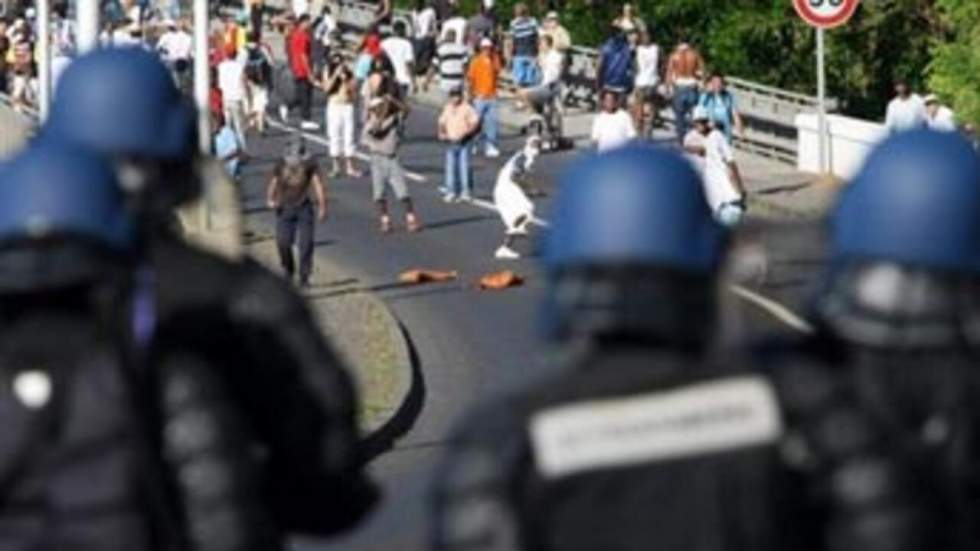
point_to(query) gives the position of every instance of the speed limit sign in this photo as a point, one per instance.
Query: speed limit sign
(825, 14)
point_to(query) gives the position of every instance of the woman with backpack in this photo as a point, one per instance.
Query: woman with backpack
(720, 105)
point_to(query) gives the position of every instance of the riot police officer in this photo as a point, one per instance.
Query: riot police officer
(242, 320)
(97, 450)
(640, 444)
(885, 390)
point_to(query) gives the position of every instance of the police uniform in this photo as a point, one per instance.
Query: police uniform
(249, 327)
(642, 443)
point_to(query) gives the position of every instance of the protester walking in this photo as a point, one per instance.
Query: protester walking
(906, 111)
(482, 77)
(458, 123)
(628, 21)
(612, 127)
(646, 98)
(235, 94)
(402, 56)
(382, 140)
(341, 88)
(299, 44)
(721, 108)
(288, 194)
(482, 25)
(425, 27)
(451, 60)
(258, 77)
(723, 185)
(524, 48)
(324, 33)
(456, 23)
(685, 69)
(616, 66)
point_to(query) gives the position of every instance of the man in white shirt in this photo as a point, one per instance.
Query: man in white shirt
(613, 127)
(552, 64)
(176, 47)
(324, 32)
(939, 117)
(723, 187)
(457, 24)
(906, 111)
(234, 93)
(424, 33)
(399, 50)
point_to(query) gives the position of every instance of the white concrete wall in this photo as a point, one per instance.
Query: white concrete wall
(850, 142)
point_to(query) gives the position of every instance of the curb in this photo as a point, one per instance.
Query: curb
(364, 332)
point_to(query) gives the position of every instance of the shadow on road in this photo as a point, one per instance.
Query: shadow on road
(383, 439)
(457, 221)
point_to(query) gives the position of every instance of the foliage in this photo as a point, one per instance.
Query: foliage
(765, 41)
(955, 69)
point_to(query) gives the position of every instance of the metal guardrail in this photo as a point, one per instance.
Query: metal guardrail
(769, 113)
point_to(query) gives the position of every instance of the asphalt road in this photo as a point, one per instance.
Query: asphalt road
(472, 344)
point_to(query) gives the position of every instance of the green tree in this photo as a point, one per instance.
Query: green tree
(955, 69)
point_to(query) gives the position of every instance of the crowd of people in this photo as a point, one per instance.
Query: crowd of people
(156, 396)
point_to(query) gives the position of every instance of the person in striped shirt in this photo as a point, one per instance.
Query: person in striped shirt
(524, 48)
(451, 60)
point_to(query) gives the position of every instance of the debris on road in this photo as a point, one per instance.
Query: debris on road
(500, 280)
(419, 277)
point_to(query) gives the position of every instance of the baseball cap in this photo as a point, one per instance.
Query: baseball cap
(486, 43)
(699, 114)
(551, 15)
(931, 98)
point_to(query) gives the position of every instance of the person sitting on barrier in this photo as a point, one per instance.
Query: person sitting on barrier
(544, 97)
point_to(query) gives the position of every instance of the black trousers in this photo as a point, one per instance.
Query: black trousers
(303, 98)
(290, 221)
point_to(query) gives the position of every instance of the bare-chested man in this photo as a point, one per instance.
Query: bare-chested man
(685, 69)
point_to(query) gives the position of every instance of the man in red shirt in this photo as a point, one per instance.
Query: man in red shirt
(298, 44)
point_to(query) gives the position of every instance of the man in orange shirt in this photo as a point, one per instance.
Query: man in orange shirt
(482, 78)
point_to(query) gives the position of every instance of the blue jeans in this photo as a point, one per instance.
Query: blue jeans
(487, 109)
(291, 220)
(458, 181)
(685, 99)
(524, 71)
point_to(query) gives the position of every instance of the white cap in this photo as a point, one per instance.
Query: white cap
(551, 15)
(488, 4)
(931, 98)
(486, 43)
(700, 114)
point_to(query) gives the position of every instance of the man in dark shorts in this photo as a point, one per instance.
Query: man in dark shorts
(288, 194)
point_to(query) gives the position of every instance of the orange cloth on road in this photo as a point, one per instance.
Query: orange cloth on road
(425, 276)
(500, 280)
(483, 74)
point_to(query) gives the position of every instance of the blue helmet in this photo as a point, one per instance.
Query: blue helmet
(122, 101)
(916, 202)
(53, 191)
(905, 247)
(638, 205)
(632, 251)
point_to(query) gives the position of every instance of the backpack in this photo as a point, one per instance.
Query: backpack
(257, 67)
(708, 102)
(617, 66)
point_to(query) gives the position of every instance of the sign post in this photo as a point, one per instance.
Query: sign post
(822, 15)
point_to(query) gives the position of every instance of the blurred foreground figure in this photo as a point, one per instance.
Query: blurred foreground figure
(94, 441)
(249, 326)
(639, 445)
(885, 393)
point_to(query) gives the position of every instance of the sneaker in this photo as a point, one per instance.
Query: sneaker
(506, 253)
(284, 114)
(412, 223)
(492, 152)
(466, 198)
(449, 198)
(309, 125)
(518, 231)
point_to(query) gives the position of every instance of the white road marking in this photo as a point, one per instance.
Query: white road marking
(770, 306)
(773, 308)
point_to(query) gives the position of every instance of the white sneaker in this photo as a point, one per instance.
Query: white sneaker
(518, 231)
(506, 253)
(492, 152)
(449, 198)
(309, 125)
(284, 114)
